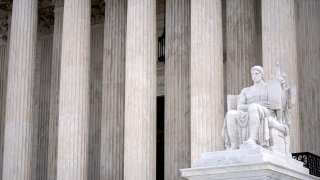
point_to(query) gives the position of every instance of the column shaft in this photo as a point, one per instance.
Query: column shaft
(96, 56)
(308, 33)
(279, 45)
(54, 92)
(177, 88)
(4, 56)
(19, 101)
(43, 107)
(140, 92)
(206, 77)
(112, 124)
(74, 91)
(3, 87)
(243, 49)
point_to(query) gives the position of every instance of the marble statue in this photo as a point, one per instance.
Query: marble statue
(262, 114)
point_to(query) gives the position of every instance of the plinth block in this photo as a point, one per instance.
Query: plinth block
(248, 162)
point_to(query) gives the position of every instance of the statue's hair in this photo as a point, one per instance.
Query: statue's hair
(259, 68)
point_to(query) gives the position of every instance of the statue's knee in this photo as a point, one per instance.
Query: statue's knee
(253, 107)
(232, 113)
(231, 116)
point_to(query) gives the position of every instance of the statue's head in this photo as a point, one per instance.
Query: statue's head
(257, 73)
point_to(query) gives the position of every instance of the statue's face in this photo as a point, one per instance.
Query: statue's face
(256, 75)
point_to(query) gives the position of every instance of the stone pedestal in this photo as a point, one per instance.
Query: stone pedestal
(248, 162)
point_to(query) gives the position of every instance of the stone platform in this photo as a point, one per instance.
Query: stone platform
(248, 162)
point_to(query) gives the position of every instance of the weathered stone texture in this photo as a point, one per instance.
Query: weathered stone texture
(177, 89)
(279, 45)
(308, 33)
(74, 92)
(140, 91)
(206, 77)
(19, 101)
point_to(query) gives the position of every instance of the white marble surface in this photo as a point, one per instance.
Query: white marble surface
(248, 162)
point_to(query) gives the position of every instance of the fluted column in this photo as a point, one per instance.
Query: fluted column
(43, 107)
(19, 102)
(308, 33)
(54, 92)
(4, 56)
(177, 88)
(96, 60)
(206, 77)
(74, 91)
(279, 45)
(3, 84)
(112, 124)
(140, 91)
(243, 49)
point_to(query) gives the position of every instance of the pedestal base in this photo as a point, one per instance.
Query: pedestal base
(248, 162)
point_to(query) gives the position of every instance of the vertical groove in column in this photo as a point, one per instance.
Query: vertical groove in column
(4, 56)
(206, 77)
(242, 43)
(279, 45)
(3, 87)
(74, 91)
(43, 112)
(308, 33)
(177, 89)
(54, 93)
(140, 92)
(95, 101)
(113, 85)
(36, 105)
(19, 101)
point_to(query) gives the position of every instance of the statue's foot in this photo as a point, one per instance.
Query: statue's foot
(250, 141)
(233, 147)
(270, 148)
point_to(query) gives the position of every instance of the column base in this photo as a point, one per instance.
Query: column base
(248, 162)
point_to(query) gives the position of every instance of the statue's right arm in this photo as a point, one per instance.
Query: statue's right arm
(242, 101)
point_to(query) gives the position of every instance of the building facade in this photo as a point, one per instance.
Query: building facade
(136, 89)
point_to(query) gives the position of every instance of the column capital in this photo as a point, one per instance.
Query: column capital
(46, 19)
(97, 12)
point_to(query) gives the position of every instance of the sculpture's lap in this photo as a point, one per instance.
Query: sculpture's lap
(238, 132)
